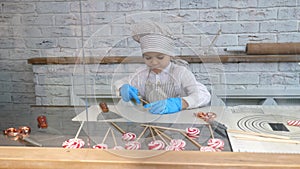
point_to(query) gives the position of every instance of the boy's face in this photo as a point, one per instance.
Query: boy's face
(156, 61)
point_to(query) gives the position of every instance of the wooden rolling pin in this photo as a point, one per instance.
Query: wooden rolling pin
(272, 48)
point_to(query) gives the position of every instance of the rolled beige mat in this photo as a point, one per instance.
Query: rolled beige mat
(272, 48)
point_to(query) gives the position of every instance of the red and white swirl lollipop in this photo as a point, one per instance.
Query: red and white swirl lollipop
(118, 148)
(133, 145)
(156, 145)
(178, 143)
(73, 143)
(129, 136)
(102, 145)
(207, 149)
(173, 148)
(174, 145)
(216, 143)
(192, 132)
(293, 122)
(126, 136)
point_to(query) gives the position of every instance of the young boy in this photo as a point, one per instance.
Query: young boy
(168, 86)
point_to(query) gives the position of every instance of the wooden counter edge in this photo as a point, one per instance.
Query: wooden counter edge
(53, 158)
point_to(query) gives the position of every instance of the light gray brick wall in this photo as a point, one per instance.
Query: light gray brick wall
(51, 28)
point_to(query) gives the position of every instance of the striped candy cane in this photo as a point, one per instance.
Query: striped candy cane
(293, 122)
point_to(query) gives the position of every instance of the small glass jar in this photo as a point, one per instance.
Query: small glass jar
(42, 121)
(104, 107)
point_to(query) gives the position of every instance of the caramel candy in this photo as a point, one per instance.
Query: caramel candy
(201, 115)
(104, 107)
(42, 122)
(208, 117)
(12, 132)
(211, 115)
(24, 130)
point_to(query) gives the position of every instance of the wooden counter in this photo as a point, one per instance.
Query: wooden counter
(53, 158)
(190, 59)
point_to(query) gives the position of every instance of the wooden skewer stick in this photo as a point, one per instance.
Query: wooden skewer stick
(257, 134)
(153, 137)
(144, 101)
(160, 135)
(191, 140)
(143, 132)
(163, 134)
(106, 134)
(117, 127)
(160, 127)
(81, 125)
(211, 131)
(257, 138)
(114, 138)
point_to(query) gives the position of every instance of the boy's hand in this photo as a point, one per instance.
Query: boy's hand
(168, 106)
(129, 92)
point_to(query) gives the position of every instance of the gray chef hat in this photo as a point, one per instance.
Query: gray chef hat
(154, 37)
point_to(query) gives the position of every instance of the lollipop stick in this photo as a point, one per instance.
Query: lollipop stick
(163, 134)
(117, 127)
(160, 135)
(106, 135)
(144, 101)
(143, 132)
(152, 133)
(160, 127)
(113, 136)
(81, 125)
(191, 140)
(211, 131)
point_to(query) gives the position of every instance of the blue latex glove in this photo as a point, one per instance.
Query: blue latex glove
(168, 106)
(129, 92)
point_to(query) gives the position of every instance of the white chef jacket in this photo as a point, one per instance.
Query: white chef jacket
(193, 92)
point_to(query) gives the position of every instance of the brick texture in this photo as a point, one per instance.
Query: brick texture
(52, 28)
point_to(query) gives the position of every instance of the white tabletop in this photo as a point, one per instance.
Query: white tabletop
(136, 113)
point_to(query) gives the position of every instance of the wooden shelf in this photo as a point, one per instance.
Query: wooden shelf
(52, 158)
(190, 59)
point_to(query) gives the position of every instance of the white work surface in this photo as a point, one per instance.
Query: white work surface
(243, 118)
(257, 119)
(136, 113)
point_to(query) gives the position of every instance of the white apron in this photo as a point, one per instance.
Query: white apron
(160, 91)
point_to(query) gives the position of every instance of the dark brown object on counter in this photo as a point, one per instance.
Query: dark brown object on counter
(42, 122)
(104, 107)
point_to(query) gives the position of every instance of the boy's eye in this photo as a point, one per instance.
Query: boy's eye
(160, 57)
(147, 57)
(151, 57)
